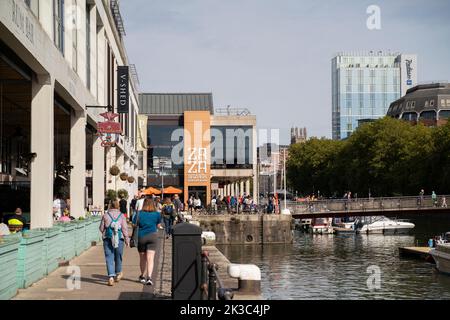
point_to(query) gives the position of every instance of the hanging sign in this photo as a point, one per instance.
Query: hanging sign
(123, 95)
(109, 130)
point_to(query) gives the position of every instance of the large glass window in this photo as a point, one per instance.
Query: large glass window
(165, 135)
(231, 147)
(444, 114)
(428, 115)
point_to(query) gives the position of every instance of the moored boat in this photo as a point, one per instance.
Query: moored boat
(441, 255)
(384, 225)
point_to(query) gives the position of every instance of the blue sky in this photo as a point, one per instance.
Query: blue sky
(274, 56)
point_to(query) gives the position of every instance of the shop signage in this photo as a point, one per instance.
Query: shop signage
(123, 94)
(109, 130)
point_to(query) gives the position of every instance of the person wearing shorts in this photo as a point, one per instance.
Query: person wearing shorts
(148, 240)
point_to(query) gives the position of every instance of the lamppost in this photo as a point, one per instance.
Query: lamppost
(161, 168)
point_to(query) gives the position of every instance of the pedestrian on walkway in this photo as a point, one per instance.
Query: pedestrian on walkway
(114, 231)
(169, 214)
(149, 222)
(443, 203)
(434, 199)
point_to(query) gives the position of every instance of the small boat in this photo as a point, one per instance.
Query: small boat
(345, 227)
(321, 226)
(441, 255)
(384, 225)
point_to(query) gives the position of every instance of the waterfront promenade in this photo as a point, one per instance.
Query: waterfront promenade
(93, 279)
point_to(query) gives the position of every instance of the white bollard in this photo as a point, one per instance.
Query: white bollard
(249, 276)
(208, 237)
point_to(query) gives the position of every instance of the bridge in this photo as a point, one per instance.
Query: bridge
(385, 206)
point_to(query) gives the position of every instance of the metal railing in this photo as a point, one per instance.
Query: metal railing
(370, 204)
(211, 285)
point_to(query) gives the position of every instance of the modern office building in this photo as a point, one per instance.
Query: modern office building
(365, 84)
(56, 59)
(197, 148)
(426, 103)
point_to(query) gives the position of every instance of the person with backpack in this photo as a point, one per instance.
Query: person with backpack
(114, 231)
(169, 214)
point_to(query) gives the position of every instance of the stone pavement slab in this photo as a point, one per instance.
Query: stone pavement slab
(93, 285)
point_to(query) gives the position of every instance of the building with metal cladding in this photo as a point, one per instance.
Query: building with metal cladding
(193, 146)
(364, 85)
(426, 103)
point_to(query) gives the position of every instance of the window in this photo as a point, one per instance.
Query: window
(349, 127)
(448, 102)
(88, 46)
(74, 35)
(34, 6)
(426, 104)
(58, 24)
(431, 103)
(428, 115)
(444, 114)
(443, 103)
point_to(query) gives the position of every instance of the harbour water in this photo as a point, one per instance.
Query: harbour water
(339, 266)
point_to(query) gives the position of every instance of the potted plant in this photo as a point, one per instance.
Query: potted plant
(123, 176)
(130, 179)
(114, 170)
(110, 195)
(122, 194)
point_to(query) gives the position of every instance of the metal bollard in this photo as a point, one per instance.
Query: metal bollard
(212, 287)
(204, 276)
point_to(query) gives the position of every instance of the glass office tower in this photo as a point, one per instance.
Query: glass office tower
(364, 85)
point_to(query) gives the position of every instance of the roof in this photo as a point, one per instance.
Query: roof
(175, 103)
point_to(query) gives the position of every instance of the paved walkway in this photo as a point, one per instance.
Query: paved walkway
(94, 280)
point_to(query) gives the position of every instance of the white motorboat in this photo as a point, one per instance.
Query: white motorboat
(384, 225)
(441, 255)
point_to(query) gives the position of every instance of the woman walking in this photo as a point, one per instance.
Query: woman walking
(114, 229)
(149, 220)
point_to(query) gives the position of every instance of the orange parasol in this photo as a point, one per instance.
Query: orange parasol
(172, 190)
(151, 190)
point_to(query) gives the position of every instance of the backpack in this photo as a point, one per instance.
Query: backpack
(168, 210)
(110, 230)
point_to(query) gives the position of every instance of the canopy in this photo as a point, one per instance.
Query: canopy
(172, 190)
(151, 190)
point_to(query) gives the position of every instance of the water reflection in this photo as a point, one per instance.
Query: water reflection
(335, 266)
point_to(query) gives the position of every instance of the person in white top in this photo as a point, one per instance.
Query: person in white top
(58, 207)
(197, 203)
(140, 203)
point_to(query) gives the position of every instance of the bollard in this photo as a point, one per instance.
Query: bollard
(249, 276)
(212, 288)
(186, 262)
(204, 280)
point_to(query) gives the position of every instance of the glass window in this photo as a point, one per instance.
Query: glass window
(444, 114)
(409, 116)
(448, 102)
(443, 103)
(428, 115)
(74, 35)
(426, 104)
(58, 24)
(236, 147)
(431, 103)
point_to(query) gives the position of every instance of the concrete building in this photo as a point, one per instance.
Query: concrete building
(197, 148)
(56, 58)
(426, 103)
(364, 85)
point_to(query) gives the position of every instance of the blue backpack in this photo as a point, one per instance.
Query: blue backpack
(168, 210)
(110, 231)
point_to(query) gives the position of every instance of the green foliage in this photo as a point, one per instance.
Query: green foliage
(387, 157)
(122, 194)
(110, 195)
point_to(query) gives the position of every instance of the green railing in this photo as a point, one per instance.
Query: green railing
(29, 256)
(9, 249)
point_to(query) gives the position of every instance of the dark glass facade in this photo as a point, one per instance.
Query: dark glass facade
(160, 145)
(231, 147)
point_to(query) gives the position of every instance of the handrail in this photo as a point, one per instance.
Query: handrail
(209, 280)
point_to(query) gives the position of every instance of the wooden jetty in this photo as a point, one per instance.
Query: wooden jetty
(416, 252)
